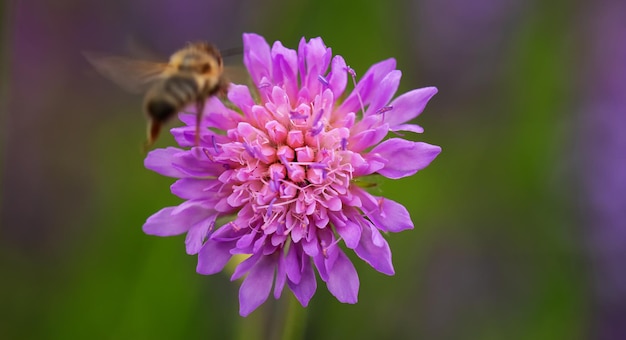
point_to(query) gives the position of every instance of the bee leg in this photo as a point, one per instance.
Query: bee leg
(199, 111)
(154, 127)
(222, 88)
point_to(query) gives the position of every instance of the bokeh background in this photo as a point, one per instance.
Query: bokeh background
(520, 223)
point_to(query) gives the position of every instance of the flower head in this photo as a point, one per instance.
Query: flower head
(284, 165)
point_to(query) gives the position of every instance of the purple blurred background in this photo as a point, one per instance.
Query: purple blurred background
(520, 223)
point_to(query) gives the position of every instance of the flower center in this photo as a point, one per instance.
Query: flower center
(293, 166)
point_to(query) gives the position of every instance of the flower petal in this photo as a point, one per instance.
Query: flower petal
(252, 161)
(195, 188)
(405, 158)
(197, 234)
(366, 86)
(163, 224)
(409, 105)
(216, 115)
(196, 162)
(245, 266)
(160, 161)
(285, 68)
(241, 97)
(292, 264)
(176, 220)
(367, 138)
(374, 250)
(343, 281)
(256, 286)
(213, 256)
(257, 57)
(281, 277)
(349, 231)
(384, 92)
(386, 214)
(305, 289)
(313, 60)
(408, 127)
(338, 77)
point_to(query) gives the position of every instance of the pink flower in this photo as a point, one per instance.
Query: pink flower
(284, 165)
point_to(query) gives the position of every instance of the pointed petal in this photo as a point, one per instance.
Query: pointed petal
(195, 188)
(363, 167)
(374, 250)
(176, 220)
(256, 286)
(409, 105)
(163, 224)
(245, 266)
(343, 281)
(292, 264)
(160, 161)
(257, 57)
(338, 77)
(408, 127)
(196, 163)
(213, 256)
(305, 290)
(197, 234)
(366, 87)
(350, 232)
(367, 138)
(185, 136)
(281, 277)
(285, 68)
(218, 116)
(386, 214)
(405, 158)
(384, 92)
(240, 96)
(320, 264)
(315, 57)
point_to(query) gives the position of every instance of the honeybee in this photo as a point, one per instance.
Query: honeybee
(192, 74)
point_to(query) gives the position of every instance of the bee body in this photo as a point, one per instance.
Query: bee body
(193, 74)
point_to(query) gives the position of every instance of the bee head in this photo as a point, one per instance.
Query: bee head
(199, 58)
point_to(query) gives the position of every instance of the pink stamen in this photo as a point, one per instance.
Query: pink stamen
(274, 185)
(384, 109)
(317, 124)
(318, 117)
(322, 80)
(285, 163)
(325, 249)
(249, 149)
(297, 115)
(269, 208)
(278, 204)
(214, 144)
(353, 74)
(208, 155)
(315, 165)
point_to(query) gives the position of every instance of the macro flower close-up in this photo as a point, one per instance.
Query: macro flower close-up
(280, 172)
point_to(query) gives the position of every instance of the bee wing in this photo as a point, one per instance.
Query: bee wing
(132, 75)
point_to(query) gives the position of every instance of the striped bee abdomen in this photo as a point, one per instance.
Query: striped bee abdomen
(171, 95)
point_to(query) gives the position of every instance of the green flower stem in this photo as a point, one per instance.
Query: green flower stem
(252, 327)
(295, 320)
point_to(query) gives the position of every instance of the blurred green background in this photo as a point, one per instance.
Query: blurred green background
(520, 230)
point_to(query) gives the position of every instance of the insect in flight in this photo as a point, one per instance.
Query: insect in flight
(192, 74)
